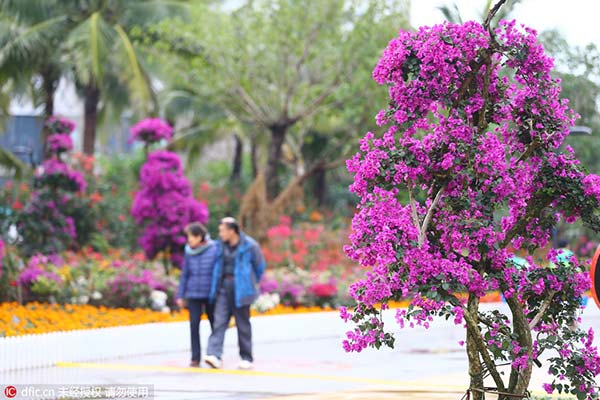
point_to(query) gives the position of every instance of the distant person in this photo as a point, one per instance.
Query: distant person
(195, 282)
(239, 267)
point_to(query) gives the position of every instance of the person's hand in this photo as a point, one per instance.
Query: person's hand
(181, 303)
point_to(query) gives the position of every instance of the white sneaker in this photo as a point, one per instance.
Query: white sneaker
(213, 361)
(245, 364)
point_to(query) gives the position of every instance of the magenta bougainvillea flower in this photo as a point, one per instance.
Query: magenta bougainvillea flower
(469, 170)
(56, 210)
(60, 142)
(151, 130)
(59, 125)
(164, 205)
(56, 173)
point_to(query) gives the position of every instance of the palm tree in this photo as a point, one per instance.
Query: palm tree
(92, 41)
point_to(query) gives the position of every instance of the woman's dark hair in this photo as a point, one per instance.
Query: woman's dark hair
(196, 229)
(231, 223)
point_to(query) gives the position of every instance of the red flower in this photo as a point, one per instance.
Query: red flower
(204, 187)
(13, 283)
(96, 197)
(323, 289)
(122, 218)
(17, 205)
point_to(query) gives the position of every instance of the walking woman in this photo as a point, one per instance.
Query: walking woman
(195, 282)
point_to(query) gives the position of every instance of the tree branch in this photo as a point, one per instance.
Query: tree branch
(316, 103)
(291, 87)
(492, 13)
(321, 165)
(429, 215)
(536, 320)
(252, 107)
(413, 207)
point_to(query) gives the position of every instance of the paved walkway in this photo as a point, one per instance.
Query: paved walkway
(297, 357)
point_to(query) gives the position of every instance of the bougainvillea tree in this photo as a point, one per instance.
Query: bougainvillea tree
(165, 204)
(471, 168)
(57, 216)
(151, 130)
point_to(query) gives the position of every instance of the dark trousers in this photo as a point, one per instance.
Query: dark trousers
(224, 309)
(197, 307)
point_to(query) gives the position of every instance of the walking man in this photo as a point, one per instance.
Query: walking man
(238, 268)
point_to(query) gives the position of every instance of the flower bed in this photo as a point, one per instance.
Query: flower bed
(32, 318)
(35, 318)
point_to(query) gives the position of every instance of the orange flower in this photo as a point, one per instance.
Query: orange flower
(316, 216)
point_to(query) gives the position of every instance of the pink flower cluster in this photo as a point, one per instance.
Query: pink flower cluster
(165, 205)
(474, 128)
(34, 270)
(58, 125)
(151, 130)
(65, 177)
(60, 142)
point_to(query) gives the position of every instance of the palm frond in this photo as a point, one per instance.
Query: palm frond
(11, 162)
(138, 80)
(29, 11)
(452, 14)
(27, 41)
(193, 140)
(150, 12)
(88, 48)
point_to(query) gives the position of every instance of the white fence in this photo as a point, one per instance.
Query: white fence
(43, 350)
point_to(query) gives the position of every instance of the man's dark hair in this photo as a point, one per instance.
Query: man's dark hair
(231, 223)
(196, 229)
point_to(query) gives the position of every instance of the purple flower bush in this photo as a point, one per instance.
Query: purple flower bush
(57, 215)
(473, 136)
(58, 125)
(57, 175)
(60, 142)
(131, 290)
(164, 205)
(87, 277)
(151, 130)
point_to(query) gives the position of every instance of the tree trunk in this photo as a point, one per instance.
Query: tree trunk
(519, 379)
(278, 132)
(92, 98)
(475, 369)
(49, 84)
(254, 156)
(320, 186)
(49, 90)
(236, 171)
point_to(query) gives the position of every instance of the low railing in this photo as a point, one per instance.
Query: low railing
(46, 349)
(42, 350)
